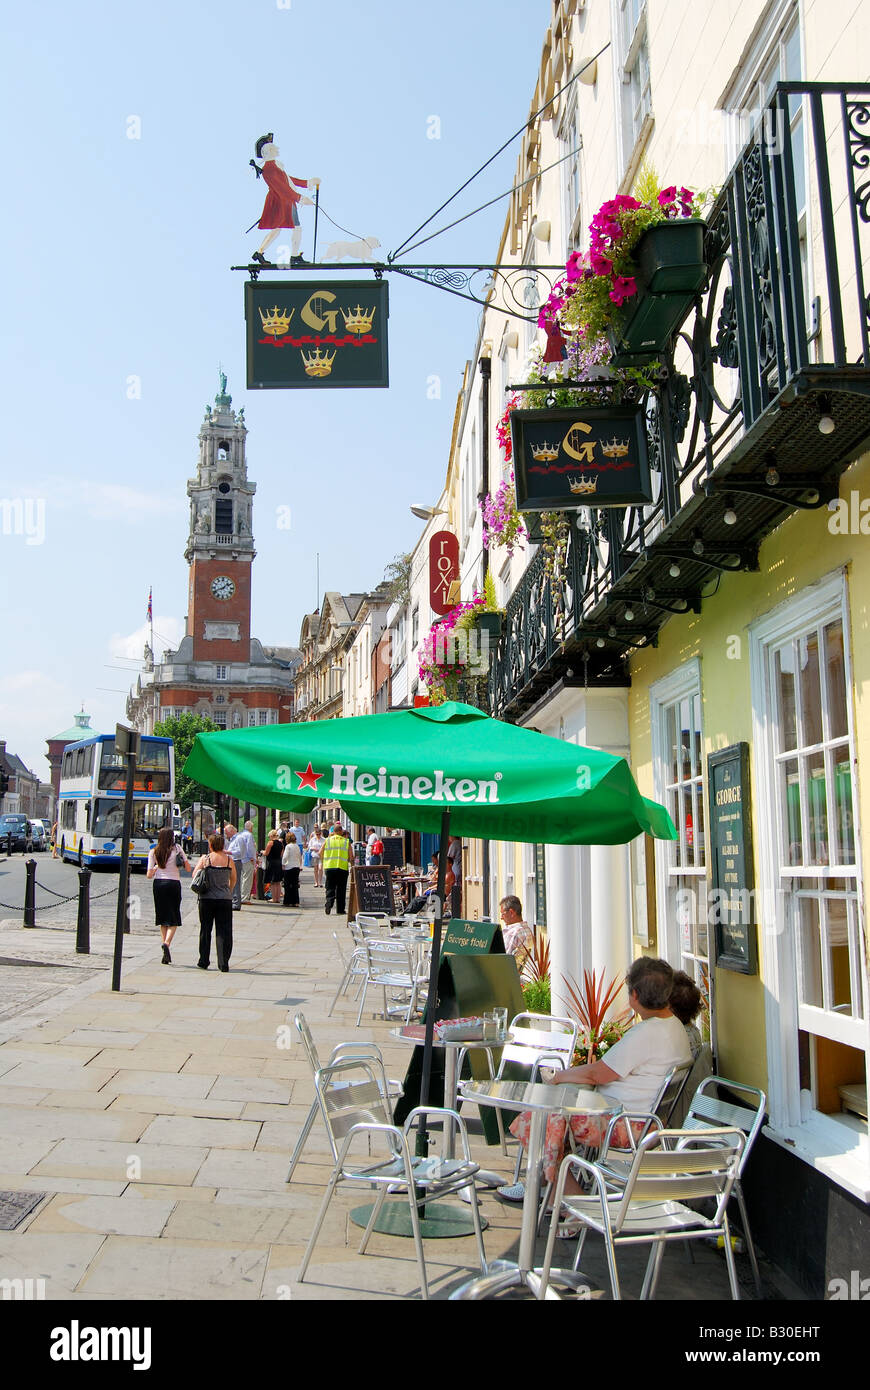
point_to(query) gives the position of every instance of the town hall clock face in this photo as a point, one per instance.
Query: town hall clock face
(223, 586)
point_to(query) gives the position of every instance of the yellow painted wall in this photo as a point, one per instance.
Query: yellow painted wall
(802, 551)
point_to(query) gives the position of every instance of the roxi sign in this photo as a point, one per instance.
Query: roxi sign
(581, 456)
(443, 571)
(316, 333)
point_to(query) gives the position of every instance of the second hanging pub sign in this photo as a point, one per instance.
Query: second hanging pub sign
(580, 456)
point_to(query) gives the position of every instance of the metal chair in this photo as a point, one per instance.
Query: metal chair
(390, 965)
(351, 1111)
(646, 1201)
(533, 1041)
(707, 1111)
(354, 966)
(343, 1052)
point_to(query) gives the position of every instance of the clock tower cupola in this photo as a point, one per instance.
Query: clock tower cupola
(220, 545)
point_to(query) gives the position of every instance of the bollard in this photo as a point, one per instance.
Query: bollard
(30, 894)
(83, 919)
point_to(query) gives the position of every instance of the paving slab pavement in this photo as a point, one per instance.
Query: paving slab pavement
(159, 1122)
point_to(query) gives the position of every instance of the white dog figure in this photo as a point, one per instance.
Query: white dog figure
(354, 250)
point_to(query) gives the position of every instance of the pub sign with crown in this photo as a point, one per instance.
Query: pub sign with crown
(580, 456)
(316, 333)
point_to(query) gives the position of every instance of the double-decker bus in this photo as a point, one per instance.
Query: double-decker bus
(93, 781)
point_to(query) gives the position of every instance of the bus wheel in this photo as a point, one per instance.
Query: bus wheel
(81, 860)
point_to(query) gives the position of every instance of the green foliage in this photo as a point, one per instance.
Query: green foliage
(490, 599)
(183, 730)
(536, 995)
(398, 576)
(647, 185)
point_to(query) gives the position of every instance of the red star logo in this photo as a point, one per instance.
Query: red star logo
(308, 778)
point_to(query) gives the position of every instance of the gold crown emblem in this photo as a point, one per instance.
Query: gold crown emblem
(276, 321)
(582, 484)
(615, 449)
(358, 320)
(317, 363)
(545, 453)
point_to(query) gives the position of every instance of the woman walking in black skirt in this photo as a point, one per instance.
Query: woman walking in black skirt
(216, 905)
(165, 862)
(291, 862)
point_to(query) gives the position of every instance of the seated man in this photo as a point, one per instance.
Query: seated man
(634, 1070)
(517, 934)
(420, 902)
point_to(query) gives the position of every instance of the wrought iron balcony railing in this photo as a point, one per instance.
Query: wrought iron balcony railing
(763, 401)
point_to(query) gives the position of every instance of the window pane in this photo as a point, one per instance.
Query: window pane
(784, 677)
(685, 742)
(835, 672)
(838, 955)
(818, 808)
(673, 744)
(811, 695)
(809, 953)
(844, 852)
(696, 747)
(700, 839)
(689, 824)
(792, 793)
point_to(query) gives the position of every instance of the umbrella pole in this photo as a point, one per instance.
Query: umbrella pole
(422, 1146)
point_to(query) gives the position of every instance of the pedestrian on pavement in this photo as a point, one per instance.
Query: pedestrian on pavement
(234, 850)
(374, 847)
(315, 850)
(216, 905)
(337, 859)
(273, 878)
(54, 841)
(291, 863)
(165, 862)
(249, 860)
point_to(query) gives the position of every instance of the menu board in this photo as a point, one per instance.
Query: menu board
(540, 886)
(394, 850)
(373, 885)
(732, 899)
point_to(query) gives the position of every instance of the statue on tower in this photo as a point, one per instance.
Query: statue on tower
(282, 201)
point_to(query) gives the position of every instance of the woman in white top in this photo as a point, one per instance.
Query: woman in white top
(165, 862)
(315, 849)
(291, 863)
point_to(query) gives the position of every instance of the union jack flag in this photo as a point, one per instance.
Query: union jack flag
(150, 614)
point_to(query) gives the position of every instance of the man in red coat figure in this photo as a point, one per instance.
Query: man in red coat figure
(282, 200)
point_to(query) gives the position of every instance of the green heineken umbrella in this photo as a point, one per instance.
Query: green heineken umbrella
(409, 767)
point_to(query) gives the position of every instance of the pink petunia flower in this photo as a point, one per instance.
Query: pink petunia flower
(624, 286)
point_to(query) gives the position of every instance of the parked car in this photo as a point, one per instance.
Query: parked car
(40, 834)
(17, 828)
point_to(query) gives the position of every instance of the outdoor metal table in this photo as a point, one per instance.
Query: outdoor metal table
(541, 1101)
(451, 1050)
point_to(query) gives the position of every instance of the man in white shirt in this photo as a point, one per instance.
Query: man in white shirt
(247, 857)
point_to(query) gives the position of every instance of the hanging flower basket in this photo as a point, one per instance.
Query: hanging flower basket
(490, 623)
(670, 271)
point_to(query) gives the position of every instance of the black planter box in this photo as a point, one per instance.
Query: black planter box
(490, 623)
(670, 271)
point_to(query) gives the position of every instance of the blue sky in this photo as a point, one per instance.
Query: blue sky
(117, 255)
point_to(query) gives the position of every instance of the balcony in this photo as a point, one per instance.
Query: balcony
(763, 402)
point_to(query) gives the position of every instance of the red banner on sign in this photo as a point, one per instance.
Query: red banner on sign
(443, 571)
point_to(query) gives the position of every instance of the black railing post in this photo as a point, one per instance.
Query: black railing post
(83, 916)
(30, 894)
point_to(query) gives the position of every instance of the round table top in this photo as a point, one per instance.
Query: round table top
(524, 1095)
(417, 1041)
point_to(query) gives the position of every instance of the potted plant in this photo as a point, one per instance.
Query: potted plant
(488, 617)
(589, 1005)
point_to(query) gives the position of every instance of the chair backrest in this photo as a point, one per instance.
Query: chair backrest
(344, 1105)
(307, 1040)
(708, 1111)
(670, 1091)
(678, 1165)
(373, 921)
(389, 957)
(533, 1037)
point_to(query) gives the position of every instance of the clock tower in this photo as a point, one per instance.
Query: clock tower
(220, 545)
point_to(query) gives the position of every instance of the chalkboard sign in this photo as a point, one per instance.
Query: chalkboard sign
(732, 897)
(374, 888)
(462, 938)
(540, 886)
(394, 850)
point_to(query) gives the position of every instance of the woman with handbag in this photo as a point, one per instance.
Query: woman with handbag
(213, 880)
(165, 862)
(273, 879)
(315, 850)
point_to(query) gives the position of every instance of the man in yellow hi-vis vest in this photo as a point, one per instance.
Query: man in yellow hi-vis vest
(336, 858)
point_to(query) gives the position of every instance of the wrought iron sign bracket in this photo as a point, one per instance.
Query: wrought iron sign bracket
(515, 290)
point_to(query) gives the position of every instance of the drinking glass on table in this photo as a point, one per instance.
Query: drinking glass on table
(500, 1019)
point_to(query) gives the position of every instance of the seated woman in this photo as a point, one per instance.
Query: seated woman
(420, 902)
(685, 1004)
(634, 1070)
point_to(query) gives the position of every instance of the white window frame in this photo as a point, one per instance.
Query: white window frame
(834, 1148)
(572, 175)
(681, 684)
(221, 672)
(632, 125)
